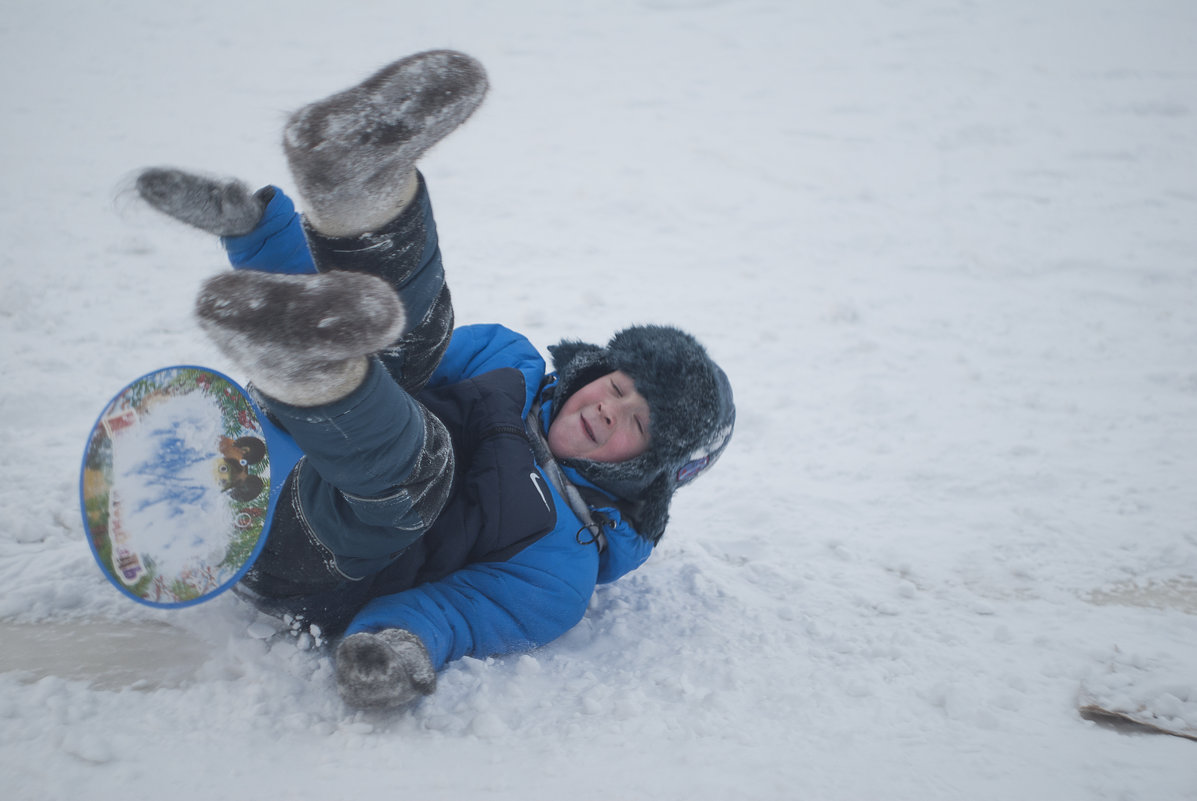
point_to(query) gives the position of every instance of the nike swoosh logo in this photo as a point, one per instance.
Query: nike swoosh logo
(536, 482)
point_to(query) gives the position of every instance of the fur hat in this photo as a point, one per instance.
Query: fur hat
(691, 411)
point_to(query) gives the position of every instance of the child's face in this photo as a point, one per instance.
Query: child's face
(604, 421)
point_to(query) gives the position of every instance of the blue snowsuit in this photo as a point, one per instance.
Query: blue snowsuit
(507, 564)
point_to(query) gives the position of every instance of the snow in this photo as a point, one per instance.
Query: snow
(179, 518)
(1144, 692)
(943, 248)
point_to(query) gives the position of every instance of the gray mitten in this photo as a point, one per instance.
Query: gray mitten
(383, 670)
(225, 207)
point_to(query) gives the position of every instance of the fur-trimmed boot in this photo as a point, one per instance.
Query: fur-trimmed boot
(353, 154)
(221, 206)
(301, 339)
(383, 670)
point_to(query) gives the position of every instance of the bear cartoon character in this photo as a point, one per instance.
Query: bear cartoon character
(231, 468)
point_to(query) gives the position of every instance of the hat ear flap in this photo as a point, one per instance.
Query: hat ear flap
(651, 513)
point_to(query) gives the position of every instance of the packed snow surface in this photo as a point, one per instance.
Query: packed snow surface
(946, 252)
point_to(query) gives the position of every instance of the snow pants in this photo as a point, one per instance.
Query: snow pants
(377, 466)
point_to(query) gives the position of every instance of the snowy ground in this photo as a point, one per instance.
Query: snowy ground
(945, 249)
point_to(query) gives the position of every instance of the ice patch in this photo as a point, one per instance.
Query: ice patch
(104, 653)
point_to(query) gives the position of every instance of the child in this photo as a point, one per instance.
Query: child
(453, 499)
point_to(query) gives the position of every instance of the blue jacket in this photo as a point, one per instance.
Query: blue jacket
(533, 596)
(536, 585)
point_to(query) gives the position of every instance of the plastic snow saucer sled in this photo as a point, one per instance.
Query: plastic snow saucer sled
(180, 477)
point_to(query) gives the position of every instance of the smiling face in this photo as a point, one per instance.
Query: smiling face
(605, 421)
